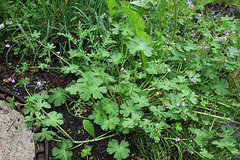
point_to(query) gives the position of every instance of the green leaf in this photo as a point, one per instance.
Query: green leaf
(134, 18)
(54, 119)
(88, 126)
(62, 152)
(110, 107)
(44, 134)
(35, 34)
(58, 97)
(76, 53)
(110, 123)
(136, 45)
(98, 114)
(129, 108)
(41, 103)
(120, 150)
(205, 154)
(220, 86)
(92, 88)
(201, 138)
(112, 5)
(228, 139)
(86, 151)
(189, 45)
(131, 122)
(141, 100)
(72, 68)
(116, 58)
(73, 89)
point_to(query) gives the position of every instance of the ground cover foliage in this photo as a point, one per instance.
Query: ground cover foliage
(158, 68)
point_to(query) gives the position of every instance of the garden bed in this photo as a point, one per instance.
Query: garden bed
(127, 80)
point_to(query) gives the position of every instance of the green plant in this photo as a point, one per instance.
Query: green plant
(170, 76)
(120, 150)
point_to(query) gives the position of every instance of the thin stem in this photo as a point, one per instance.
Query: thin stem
(175, 19)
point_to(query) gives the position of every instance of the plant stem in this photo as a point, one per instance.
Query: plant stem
(175, 19)
(96, 139)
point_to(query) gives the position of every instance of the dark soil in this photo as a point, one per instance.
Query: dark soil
(71, 124)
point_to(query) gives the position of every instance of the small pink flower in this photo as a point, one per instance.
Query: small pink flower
(183, 104)
(177, 139)
(185, 59)
(7, 45)
(10, 22)
(13, 81)
(192, 79)
(140, 63)
(168, 70)
(167, 35)
(206, 47)
(39, 84)
(177, 104)
(199, 15)
(198, 47)
(58, 52)
(124, 70)
(125, 16)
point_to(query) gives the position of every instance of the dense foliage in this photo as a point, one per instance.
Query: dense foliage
(164, 69)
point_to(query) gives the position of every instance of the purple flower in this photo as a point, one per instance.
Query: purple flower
(192, 79)
(235, 49)
(223, 38)
(193, 92)
(10, 79)
(183, 104)
(124, 70)
(25, 83)
(193, 35)
(233, 32)
(206, 47)
(30, 133)
(140, 63)
(167, 30)
(168, 70)
(177, 139)
(10, 22)
(39, 84)
(125, 16)
(154, 39)
(167, 35)
(40, 88)
(7, 45)
(58, 52)
(217, 37)
(171, 142)
(199, 15)
(185, 59)
(13, 81)
(177, 104)
(197, 47)
(5, 110)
